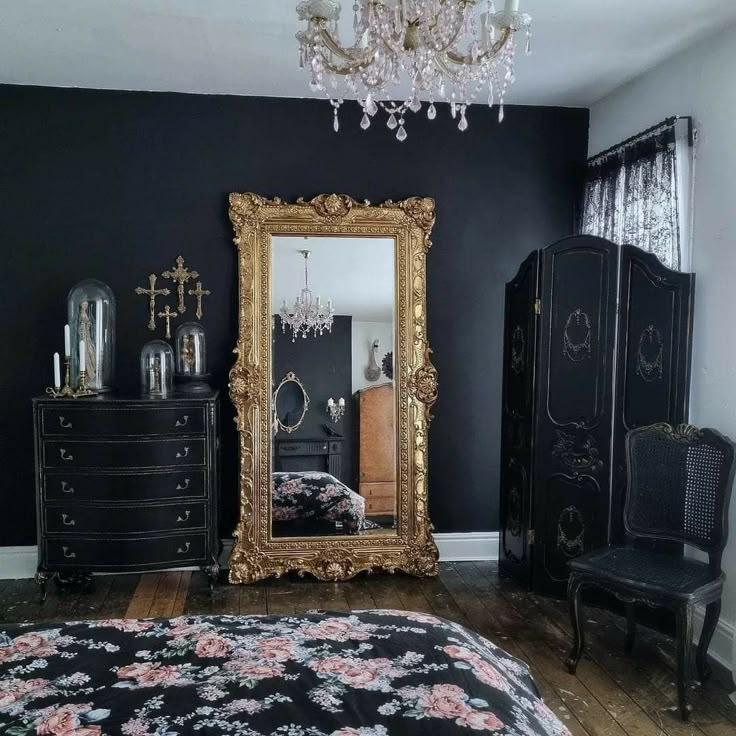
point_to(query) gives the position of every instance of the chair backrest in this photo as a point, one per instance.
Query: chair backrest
(679, 486)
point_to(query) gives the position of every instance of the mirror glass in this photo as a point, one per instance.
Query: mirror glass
(334, 316)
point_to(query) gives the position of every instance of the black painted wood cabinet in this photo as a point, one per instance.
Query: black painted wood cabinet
(597, 341)
(127, 484)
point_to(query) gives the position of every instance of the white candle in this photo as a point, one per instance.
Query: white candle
(330, 402)
(57, 371)
(341, 402)
(512, 6)
(67, 341)
(82, 357)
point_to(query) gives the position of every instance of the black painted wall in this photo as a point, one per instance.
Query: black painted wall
(114, 185)
(324, 365)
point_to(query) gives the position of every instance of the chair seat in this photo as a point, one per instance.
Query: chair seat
(667, 575)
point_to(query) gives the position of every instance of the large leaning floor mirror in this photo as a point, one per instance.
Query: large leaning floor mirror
(333, 387)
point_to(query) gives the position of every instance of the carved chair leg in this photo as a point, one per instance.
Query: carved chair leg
(712, 614)
(630, 627)
(574, 601)
(684, 645)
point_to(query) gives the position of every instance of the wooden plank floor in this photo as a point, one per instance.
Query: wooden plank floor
(612, 695)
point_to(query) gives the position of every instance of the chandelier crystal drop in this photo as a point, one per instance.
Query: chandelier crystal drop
(307, 313)
(448, 50)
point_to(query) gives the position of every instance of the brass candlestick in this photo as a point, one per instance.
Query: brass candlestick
(66, 392)
(83, 389)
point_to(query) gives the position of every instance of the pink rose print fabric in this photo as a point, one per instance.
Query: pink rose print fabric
(366, 673)
(318, 502)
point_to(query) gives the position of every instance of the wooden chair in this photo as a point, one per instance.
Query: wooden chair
(679, 489)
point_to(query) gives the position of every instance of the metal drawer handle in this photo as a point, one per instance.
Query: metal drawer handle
(66, 488)
(65, 423)
(66, 520)
(182, 422)
(184, 454)
(180, 487)
(64, 454)
(183, 550)
(187, 513)
(69, 555)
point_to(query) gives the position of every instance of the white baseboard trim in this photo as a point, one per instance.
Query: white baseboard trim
(467, 546)
(20, 562)
(721, 646)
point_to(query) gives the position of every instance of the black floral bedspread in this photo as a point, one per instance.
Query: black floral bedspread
(370, 673)
(319, 497)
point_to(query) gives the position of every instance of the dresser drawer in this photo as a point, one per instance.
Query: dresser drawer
(140, 487)
(113, 454)
(378, 490)
(380, 506)
(76, 519)
(124, 421)
(119, 554)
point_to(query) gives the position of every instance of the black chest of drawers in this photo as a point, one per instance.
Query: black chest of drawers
(126, 485)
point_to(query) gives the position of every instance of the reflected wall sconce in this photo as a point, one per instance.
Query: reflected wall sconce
(335, 408)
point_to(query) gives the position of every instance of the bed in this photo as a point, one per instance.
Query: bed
(366, 673)
(315, 502)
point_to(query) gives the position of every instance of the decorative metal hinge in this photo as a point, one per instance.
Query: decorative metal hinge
(530, 536)
(537, 306)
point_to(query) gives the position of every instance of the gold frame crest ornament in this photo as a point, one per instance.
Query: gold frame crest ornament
(410, 547)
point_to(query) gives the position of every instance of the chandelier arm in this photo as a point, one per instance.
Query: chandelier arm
(467, 60)
(339, 51)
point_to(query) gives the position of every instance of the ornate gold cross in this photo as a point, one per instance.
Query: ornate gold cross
(180, 275)
(152, 292)
(199, 292)
(168, 315)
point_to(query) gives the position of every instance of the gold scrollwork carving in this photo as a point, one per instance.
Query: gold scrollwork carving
(410, 547)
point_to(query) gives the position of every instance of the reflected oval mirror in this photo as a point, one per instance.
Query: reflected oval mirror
(290, 404)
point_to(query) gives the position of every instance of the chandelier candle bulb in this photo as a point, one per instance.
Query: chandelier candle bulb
(512, 6)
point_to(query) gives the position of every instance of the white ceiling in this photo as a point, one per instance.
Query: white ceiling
(356, 273)
(583, 49)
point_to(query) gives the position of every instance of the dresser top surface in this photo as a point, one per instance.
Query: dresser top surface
(135, 399)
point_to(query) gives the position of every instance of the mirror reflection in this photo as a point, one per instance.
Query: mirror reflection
(334, 436)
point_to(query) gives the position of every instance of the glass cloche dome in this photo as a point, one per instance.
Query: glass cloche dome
(191, 357)
(157, 368)
(91, 314)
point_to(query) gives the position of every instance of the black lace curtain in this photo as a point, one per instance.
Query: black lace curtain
(631, 195)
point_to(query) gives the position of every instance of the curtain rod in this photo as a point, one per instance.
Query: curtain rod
(666, 123)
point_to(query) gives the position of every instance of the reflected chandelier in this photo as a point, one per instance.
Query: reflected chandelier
(450, 50)
(307, 313)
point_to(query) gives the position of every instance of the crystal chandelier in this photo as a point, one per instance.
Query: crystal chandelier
(450, 50)
(307, 313)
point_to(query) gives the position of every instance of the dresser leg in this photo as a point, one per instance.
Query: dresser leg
(42, 578)
(213, 573)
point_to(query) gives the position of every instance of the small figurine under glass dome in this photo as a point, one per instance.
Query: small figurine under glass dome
(191, 356)
(91, 310)
(157, 368)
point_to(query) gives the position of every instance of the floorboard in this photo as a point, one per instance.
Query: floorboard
(611, 695)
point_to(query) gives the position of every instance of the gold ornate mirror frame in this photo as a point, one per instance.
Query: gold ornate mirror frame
(411, 548)
(289, 428)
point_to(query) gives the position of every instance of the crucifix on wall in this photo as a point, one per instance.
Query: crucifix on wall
(168, 315)
(180, 275)
(199, 292)
(152, 292)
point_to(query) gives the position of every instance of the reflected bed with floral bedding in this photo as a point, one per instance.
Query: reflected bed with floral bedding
(367, 673)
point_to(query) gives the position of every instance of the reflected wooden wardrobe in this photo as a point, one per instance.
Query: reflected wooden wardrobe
(377, 455)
